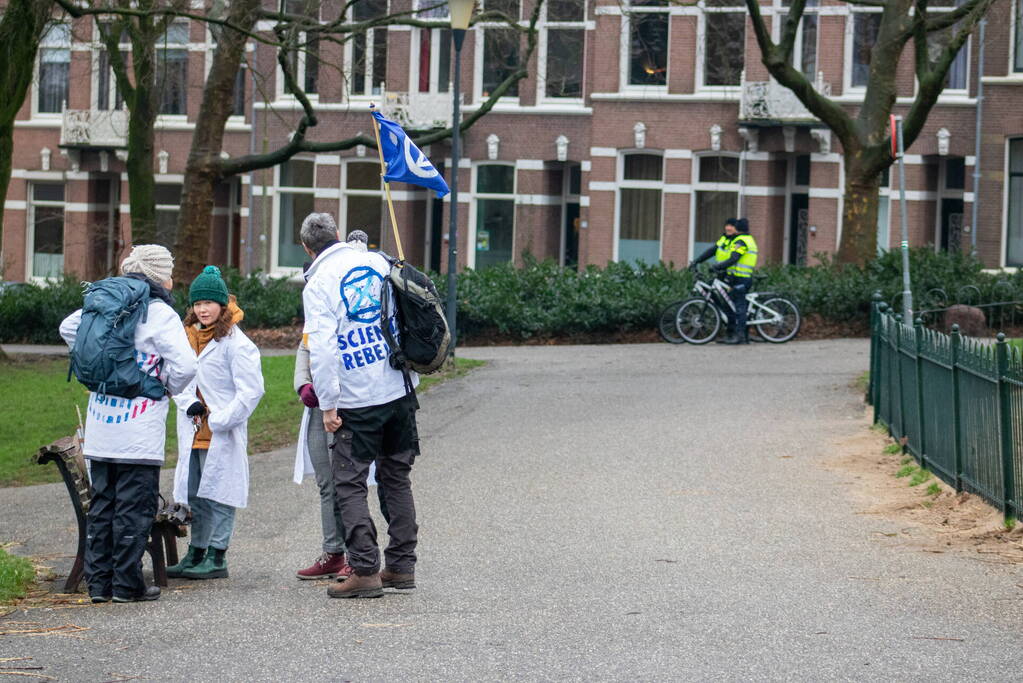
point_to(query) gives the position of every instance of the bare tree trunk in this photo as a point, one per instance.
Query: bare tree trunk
(139, 167)
(204, 169)
(21, 29)
(859, 216)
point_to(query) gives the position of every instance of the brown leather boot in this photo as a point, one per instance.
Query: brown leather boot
(356, 586)
(391, 579)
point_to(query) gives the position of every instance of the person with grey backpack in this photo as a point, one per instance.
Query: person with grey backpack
(129, 348)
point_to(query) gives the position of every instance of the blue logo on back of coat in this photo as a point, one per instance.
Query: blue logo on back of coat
(357, 294)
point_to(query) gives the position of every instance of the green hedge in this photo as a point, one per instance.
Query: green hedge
(542, 299)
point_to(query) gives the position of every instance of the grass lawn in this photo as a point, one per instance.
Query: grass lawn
(16, 573)
(37, 406)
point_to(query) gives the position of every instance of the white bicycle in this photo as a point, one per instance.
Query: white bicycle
(698, 319)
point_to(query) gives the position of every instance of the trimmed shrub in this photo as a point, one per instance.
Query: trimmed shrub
(543, 299)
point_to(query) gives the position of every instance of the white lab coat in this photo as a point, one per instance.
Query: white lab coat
(347, 348)
(134, 430)
(231, 381)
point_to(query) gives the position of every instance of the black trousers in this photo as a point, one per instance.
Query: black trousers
(120, 518)
(387, 434)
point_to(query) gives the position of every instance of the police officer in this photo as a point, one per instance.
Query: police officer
(735, 253)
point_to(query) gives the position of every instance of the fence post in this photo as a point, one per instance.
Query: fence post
(899, 381)
(918, 329)
(879, 364)
(874, 352)
(957, 450)
(1005, 425)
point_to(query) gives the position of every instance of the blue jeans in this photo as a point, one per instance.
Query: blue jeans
(737, 319)
(212, 522)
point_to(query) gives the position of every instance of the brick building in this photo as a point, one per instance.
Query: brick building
(642, 126)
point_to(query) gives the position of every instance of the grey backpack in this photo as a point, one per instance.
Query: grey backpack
(103, 357)
(423, 337)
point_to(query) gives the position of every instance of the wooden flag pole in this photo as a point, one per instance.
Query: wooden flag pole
(387, 185)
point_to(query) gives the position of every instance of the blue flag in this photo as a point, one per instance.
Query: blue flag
(406, 163)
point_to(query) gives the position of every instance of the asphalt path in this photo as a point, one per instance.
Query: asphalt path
(639, 512)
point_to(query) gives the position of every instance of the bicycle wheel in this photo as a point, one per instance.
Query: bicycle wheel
(698, 321)
(778, 321)
(666, 324)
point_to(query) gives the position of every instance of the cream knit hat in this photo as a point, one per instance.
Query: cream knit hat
(151, 260)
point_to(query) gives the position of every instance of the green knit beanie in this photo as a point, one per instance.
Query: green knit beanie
(208, 286)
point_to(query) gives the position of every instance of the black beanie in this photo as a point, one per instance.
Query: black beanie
(742, 225)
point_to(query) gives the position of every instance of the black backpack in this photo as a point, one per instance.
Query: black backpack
(103, 357)
(424, 338)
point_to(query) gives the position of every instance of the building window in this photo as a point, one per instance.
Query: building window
(369, 50)
(433, 72)
(717, 198)
(238, 105)
(363, 200)
(172, 70)
(865, 26)
(495, 214)
(884, 202)
(46, 243)
(1014, 247)
(724, 43)
(648, 42)
(957, 77)
(564, 39)
(500, 59)
(805, 54)
(108, 92)
(1017, 61)
(641, 183)
(168, 204)
(295, 202)
(54, 67)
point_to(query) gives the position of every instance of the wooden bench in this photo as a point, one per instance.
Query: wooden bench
(162, 546)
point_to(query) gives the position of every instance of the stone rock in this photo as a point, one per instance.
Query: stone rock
(970, 319)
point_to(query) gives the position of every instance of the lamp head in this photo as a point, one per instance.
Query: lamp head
(461, 13)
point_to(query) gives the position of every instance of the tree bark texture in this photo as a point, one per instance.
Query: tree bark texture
(21, 29)
(204, 168)
(859, 216)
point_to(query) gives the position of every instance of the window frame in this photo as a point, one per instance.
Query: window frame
(470, 247)
(98, 48)
(699, 185)
(30, 227)
(367, 77)
(850, 40)
(37, 72)
(1016, 40)
(625, 52)
(278, 191)
(622, 184)
(965, 54)
(701, 42)
(780, 13)
(163, 46)
(347, 192)
(478, 49)
(541, 65)
(1007, 200)
(300, 75)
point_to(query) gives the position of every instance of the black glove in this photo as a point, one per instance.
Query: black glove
(196, 409)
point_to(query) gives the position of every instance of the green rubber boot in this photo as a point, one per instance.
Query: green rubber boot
(193, 557)
(213, 566)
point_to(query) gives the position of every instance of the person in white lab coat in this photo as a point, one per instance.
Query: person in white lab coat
(212, 474)
(125, 438)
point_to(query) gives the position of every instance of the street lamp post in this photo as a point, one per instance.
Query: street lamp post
(461, 13)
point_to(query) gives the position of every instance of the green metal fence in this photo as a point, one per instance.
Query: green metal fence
(954, 402)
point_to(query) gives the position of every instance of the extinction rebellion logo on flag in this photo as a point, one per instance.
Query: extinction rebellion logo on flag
(406, 163)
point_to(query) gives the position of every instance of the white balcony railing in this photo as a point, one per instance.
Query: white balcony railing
(771, 101)
(418, 110)
(94, 128)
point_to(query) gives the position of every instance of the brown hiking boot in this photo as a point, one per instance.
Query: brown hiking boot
(356, 586)
(391, 579)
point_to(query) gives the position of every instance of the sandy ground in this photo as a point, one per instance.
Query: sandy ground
(944, 523)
